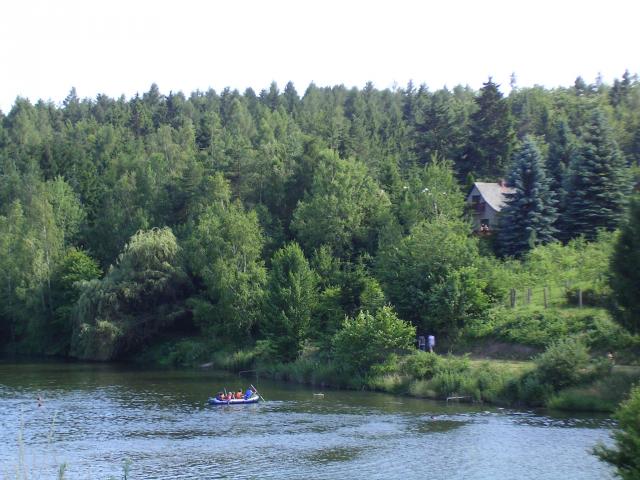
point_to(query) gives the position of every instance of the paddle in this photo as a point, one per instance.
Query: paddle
(256, 390)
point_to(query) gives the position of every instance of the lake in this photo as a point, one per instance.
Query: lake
(96, 418)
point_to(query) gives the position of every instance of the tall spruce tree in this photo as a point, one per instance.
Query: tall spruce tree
(625, 271)
(597, 182)
(527, 219)
(561, 145)
(491, 135)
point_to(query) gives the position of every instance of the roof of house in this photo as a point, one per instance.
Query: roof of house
(494, 193)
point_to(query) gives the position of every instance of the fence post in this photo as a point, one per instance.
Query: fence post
(513, 298)
(528, 296)
(544, 292)
(579, 298)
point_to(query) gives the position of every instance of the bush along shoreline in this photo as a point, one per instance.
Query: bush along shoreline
(564, 376)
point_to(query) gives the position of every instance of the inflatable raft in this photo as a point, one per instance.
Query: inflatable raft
(236, 401)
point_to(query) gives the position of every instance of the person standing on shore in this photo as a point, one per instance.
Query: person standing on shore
(431, 340)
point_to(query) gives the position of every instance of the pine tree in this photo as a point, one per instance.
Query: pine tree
(440, 127)
(597, 182)
(492, 135)
(561, 146)
(625, 270)
(290, 99)
(527, 219)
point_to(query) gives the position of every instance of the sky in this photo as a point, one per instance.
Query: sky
(121, 47)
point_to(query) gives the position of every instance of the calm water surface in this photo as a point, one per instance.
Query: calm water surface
(97, 417)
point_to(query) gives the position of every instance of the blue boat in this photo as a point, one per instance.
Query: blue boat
(236, 401)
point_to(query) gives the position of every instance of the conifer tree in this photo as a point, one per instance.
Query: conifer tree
(625, 271)
(561, 146)
(597, 182)
(527, 219)
(492, 135)
(290, 99)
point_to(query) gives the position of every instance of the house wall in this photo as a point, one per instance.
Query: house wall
(481, 210)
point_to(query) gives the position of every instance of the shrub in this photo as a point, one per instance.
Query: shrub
(450, 375)
(422, 388)
(452, 363)
(578, 400)
(490, 383)
(563, 363)
(533, 391)
(389, 366)
(538, 327)
(390, 382)
(187, 352)
(447, 382)
(236, 361)
(421, 365)
(602, 395)
(368, 339)
(592, 296)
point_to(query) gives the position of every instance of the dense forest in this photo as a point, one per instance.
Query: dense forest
(281, 220)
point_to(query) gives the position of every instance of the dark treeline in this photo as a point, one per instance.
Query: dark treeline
(272, 217)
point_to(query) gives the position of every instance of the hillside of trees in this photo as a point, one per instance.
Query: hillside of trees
(269, 218)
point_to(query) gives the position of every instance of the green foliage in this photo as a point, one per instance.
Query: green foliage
(344, 208)
(539, 327)
(74, 268)
(359, 290)
(563, 363)
(327, 170)
(528, 217)
(578, 264)
(369, 338)
(603, 395)
(531, 390)
(430, 273)
(114, 315)
(224, 250)
(290, 300)
(625, 271)
(492, 135)
(592, 295)
(561, 150)
(460, 299)
(328, 317)
(625, 455)
(435, 376)
(597, 182)
(429, 192)
(421, 365)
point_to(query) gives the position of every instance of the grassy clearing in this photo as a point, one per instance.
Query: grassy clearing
(510, 367)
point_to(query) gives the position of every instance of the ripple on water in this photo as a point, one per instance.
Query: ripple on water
(167, 433)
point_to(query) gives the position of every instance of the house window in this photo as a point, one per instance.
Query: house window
(475, 198)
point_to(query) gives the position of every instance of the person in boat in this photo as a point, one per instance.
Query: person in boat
(248, 394)
(239, 395)
(219, 396)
